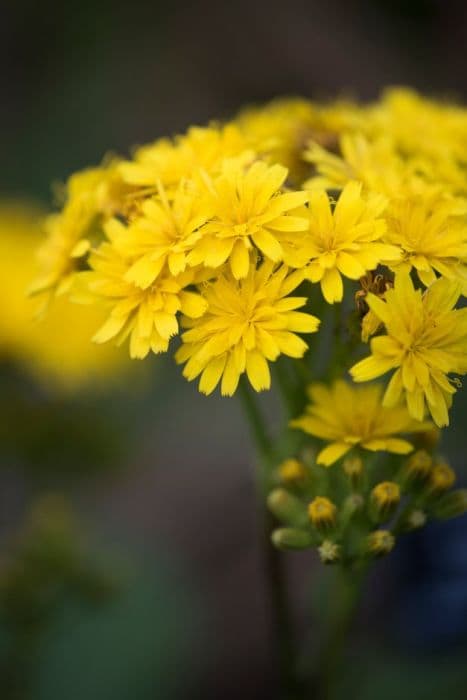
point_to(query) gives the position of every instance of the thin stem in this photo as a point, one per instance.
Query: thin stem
(273, 559)
(258, 429)
(342, 607)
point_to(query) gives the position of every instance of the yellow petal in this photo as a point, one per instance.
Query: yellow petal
(240, 260)
(257, 370)
(212, 374)
(331, 286)
(332, 453)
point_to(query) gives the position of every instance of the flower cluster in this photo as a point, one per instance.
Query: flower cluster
(337, 227)
(220, 234)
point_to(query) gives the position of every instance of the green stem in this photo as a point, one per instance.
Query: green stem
(342, 607)
(273, 559)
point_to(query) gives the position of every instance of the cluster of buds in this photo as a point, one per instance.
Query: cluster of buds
(352, 513)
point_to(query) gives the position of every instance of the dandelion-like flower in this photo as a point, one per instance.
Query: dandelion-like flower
(248, 323)
(163, 235)
(432, 235)
(169, 162)
(251, 212)
(425, 341)
(147, 316)
(346, 241)
(347, 416)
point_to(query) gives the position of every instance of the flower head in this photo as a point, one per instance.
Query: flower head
(347, 416)
(147, 316)
(425, 340)
(431, 232)
(163, 234)
(346, 241)
(169, 162)
(247, 323)
(250, 213)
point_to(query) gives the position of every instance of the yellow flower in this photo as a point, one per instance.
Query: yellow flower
(53, 349)
(345, 242)
(147, 316)
(280, 129)
(88, 193)
(163, 235)
(347, 416)
(426, 340)
(432, 234)
(375, 163)
(250, 210)
(169, 161)
(247, 324)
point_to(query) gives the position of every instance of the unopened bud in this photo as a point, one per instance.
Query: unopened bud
(329, 552)
(287, 508)
(350, 506)
(413, 520)
(322, 513)
(353, 468)
(417, 468)
(442, 477)
(451, 505)
(379, 543)
(292, 538)
(384, 499)
(292, 471)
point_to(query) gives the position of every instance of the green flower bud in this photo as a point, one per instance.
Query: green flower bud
(451, 505)
(379, 543)
(442, 477)
(287, 508)
(417, 469)
(291, 538)
(353, 468)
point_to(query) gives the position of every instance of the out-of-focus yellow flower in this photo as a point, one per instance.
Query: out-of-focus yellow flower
(250, 211)
(346, 241)
(168, 162)
(280, 129)
(432, 235)
(247, 324)
(426, 339)
(349, 416)
(56, 352)
(88, 194)
(374, 163)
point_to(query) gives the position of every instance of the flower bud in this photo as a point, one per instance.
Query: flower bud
(291, 538)
(322, 513)
(384, 499)
(287, 508)
(451, 505)
(350, 506)
(292, 471)
(417, 468)
(413, 520)
(442, 477)
(329, 552)
(379, 543)
(353, 468)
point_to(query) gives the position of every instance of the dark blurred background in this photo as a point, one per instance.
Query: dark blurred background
(165, 597)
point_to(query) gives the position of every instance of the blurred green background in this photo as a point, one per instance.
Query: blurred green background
(129, 550)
